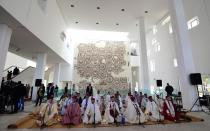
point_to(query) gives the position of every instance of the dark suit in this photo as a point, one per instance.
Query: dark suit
(50, 91)
(89, 90)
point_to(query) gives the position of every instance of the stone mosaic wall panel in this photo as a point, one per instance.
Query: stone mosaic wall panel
(104, 66)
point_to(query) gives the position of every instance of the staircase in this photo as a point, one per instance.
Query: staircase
(25, 76)
(11, 68)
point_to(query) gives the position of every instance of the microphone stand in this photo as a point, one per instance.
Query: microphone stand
(139, 114)
(94, 119)
(142, 124)
(114, 114)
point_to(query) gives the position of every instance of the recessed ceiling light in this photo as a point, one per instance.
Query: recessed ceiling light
(76, 22)
(97, 23)
(122, 9)
(146, 11)
(98, 8)
(72, 5)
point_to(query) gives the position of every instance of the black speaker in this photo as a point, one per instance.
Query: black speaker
(159, 83)
(38, 82)
(195, 79)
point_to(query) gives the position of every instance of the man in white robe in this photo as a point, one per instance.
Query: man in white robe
(92, 113)
(98, 98)
(47, 113)
(124, 112)
(144, 102)
(152, 111)
(86, 101)
(66, 103)
(63, 104)
(134, 112)
(159, 102)
(118, 99)
(112, 111)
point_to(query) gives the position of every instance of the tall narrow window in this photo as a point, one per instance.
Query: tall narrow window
(170, 29)
(154, 29)
(154, 41)
(157, 47)
(175, 62)
(193, 22)
(152, 66)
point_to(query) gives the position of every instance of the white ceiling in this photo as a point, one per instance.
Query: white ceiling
(86, 13)
(26, 44)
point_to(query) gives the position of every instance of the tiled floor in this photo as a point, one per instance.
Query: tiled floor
(7, 119)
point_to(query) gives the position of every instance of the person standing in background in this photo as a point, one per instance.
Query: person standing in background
(66, 89)
(40, 94)
(9, 75)
(169, 89)
(89, 90)
(50, 90)
(23, 94)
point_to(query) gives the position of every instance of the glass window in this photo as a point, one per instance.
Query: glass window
(166, 20)
(154, 41)
(152, 66)
(154, 29)
(170, 29)
(175, 62)
(157, 47)
(193, 22)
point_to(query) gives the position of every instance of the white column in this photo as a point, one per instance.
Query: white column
(143, 68)
(5, 36)
(183, 51)
(39, 72)
(56, 78)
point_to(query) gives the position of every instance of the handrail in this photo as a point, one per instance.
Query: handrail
(22, 72)
(19, 73)
(12, 67)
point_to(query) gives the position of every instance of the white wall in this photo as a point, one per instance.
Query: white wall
(200, 40)
(66, 72)
(200, 35)
(164, 66)
(26, 77)
(134, 61)
(43, 19)
(15, 60)
(135, 78)
(51, 76)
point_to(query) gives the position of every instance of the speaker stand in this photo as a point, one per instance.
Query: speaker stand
(197, 103)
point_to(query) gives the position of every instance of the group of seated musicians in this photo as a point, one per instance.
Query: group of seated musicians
(95, 110)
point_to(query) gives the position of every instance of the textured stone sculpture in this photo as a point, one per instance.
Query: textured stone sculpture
(103, 64)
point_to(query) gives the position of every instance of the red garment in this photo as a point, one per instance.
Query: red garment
(167, 115)
(73, 114)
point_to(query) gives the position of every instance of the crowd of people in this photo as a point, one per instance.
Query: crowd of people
(135, 108)
(51, 90)
(12, 95)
